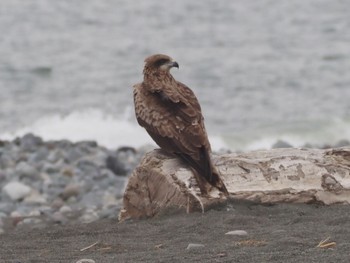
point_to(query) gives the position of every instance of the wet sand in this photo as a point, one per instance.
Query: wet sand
(276, 233)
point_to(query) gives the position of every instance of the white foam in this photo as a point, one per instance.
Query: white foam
(331, 133)
(91, 124)
(94, 124)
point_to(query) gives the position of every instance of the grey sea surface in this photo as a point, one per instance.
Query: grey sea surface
(262, 70)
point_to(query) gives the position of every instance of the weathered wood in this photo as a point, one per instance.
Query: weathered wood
(280, 175)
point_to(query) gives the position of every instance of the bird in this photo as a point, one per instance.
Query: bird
(172, 116)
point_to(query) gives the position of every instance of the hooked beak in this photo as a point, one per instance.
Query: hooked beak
(174, 64)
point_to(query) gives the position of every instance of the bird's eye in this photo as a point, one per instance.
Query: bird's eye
(161, 62)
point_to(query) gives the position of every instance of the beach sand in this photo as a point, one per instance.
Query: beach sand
(275, 233)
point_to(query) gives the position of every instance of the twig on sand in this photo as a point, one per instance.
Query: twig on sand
(88, 247)
(325, 244)
(158, 246)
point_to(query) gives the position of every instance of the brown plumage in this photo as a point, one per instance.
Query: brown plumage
(171, 114)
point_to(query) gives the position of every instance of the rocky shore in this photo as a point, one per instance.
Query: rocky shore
(61, 182)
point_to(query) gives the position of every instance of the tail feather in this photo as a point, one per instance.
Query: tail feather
(205, 169)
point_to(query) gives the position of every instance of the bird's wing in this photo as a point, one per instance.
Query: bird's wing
(176, 127)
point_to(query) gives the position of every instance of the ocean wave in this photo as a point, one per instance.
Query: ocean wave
(94, 124)
(329, 133)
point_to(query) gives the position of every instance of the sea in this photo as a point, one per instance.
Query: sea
(263, 71)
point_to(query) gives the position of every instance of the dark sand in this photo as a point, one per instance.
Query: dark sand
(276, 233)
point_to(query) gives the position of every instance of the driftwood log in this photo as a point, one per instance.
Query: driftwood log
(280, 175)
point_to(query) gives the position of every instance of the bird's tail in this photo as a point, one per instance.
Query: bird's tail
(205, 169)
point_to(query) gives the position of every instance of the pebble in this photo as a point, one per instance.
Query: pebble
(35, 198)
(30, 142)
(85, 260)
(58, 218)
(194, 245)
(237, 233)
(65, 209)
(23, 169)
(62, 182)
(16, 190)
(89, 216)
(70, 190)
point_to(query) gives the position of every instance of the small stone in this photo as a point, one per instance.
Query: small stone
(73, 154)
(193, 245)
(1, 231)
(40, 155)
(6, 208)
(281, 144)
(89, 217)
(237, 233)
(109, 212)
(88, 168)
(35, 198)
(16, 214)
(85, 260)
(123, 161)
(109, 200)
(57, 203)
(34, 213)
(65, 209)
(16, 190)
(58, 218)
(45, 210)
(54, 156)
(2, 215)
(70, 190)
(24, 169)
(30, 221)
(30, 142)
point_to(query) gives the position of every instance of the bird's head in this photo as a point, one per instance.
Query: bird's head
(160, 63)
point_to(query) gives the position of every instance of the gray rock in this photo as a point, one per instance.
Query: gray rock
(70, 190)
(2, 215)
(88, 168)
(35, 198)
(31, 221)
(50, 168)
(23, 169)
(55, 155)
(45, 210)
(65, 210)
(194, 245)
(109, 212)
(7, 161)
(73, 154)
(87, 145)
(92, 199)
(16, 214)
(281, 144)
(57, 203)
(6, 208)
(123, 161)
(237, 233)
(30, 142)
(85, 260)
(40, 155)
(62, 144)
(58, 218)
(3, 176)
(16, 190)
(89, 216)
